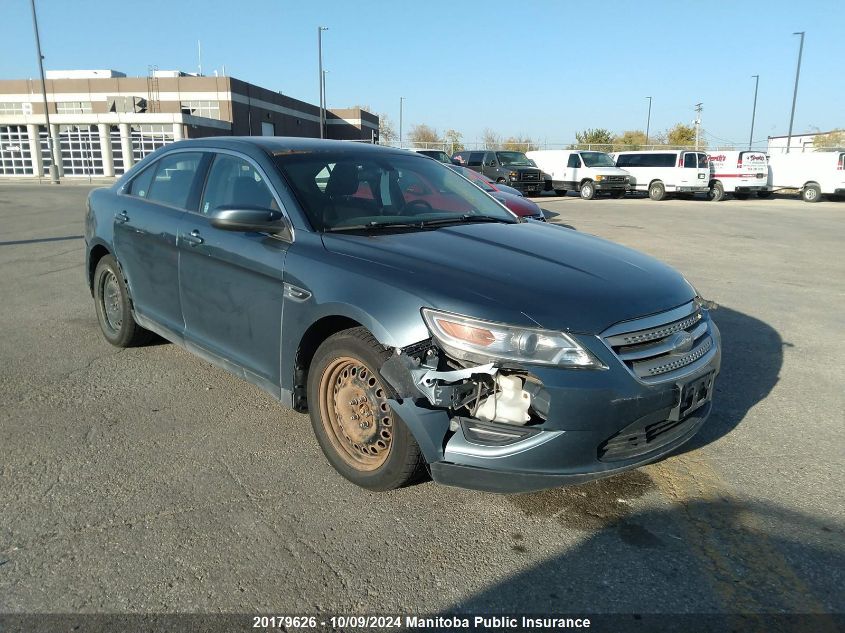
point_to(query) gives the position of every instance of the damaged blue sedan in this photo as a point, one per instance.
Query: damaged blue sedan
(424, 327)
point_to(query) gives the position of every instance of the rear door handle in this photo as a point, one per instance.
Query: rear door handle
(121, 217)
(194, 238)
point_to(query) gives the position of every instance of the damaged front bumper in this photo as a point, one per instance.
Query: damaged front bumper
(596, 423)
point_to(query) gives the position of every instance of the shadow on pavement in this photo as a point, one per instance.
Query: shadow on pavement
(43, 239)
(715, 556)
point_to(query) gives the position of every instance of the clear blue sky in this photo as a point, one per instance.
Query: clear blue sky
(540, 68)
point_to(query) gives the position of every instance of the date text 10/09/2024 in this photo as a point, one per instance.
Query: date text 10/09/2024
(407, 621)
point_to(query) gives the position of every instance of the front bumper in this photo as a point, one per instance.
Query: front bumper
(600, 423)
(531, 186)
(603, 185)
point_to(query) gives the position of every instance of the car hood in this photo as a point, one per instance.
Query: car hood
(610, 171)
(529, 272)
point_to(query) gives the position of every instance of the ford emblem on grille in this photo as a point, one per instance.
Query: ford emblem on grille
(681, 342)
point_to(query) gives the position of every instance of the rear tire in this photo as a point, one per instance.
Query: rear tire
(656, 191)
(716, 193)
(114, 309)
(811, 193)
(560, 192)
(361, 437)
(588, 190)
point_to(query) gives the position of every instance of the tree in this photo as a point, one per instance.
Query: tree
(520, 144)
(423, 135)
(598, 136)
(629, 140)
(832, 140)
(683, 136)
(491, 139)
(386, 131)
(454, 141)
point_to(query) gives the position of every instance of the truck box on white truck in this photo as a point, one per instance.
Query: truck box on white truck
(813, 173)
(737, 172)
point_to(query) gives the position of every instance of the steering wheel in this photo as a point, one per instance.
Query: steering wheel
(422, 204)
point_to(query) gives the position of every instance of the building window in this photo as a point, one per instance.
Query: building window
(207, 109)
(15, 159)
(15, 107)
(73, 107)
(148, 138)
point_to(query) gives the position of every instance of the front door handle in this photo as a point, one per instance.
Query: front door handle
(194, 238)
(121, 218)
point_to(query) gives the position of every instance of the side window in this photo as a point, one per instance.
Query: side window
(173, 179)
(475, 159)
(140, 185)
(490, 159)
(234, 183)
(702, 160)
(574, 161)
(690, 160)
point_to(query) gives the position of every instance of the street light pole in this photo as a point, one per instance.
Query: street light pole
(648, 121)
(51, 146)
(754, 109)
(325, 99)
(795, 92)
(401, 106)
(321, 80)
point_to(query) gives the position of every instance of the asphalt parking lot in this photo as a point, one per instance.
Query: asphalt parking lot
(147, 480)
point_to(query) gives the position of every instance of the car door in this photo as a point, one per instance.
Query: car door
(573, 170)
(491, 166)
(146, 222)
(231, 282)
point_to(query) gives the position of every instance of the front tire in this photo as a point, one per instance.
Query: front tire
(588, 190)
(717, 192)
(357, 431)
(656, 191)
(114, 310)
(811, 193)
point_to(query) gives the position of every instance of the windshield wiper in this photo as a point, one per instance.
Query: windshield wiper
(466, 218)
(371, 226)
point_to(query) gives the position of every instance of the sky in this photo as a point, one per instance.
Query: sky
(538, 68)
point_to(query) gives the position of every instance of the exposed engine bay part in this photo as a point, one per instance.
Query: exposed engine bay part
(509, 403)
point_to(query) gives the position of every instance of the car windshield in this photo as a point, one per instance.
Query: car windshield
(514, 158)
(356, 189)
(597, 159)
(474, 177)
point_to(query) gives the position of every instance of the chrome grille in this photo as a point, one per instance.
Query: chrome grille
(529, 175)
(616, 178)
(665, 346)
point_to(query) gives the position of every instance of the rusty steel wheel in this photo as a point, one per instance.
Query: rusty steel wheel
(349, 405)
(355, 413)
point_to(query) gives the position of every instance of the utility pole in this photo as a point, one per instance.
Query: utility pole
(51, 145)
(754, 109)
(199, 58)
(401, 107)
(321, 80)
(698, 109)
(325, 99)
(648, 121)
(795, 92)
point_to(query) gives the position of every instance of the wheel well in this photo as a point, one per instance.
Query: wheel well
(654, 181)
(312, 339)
(97, 253)
(583, 180)
(811, 182)
(714, 181)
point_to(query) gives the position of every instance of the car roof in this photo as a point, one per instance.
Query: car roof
(281, 144)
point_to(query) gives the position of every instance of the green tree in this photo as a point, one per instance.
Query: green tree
(598, 138)
(454, 141)
(832, 140)
(423, 135)
(682, 136)
(629, 140)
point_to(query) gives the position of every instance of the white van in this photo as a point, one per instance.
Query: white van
(666, 171)
(583, 171)
(737, 172)
(813, 173)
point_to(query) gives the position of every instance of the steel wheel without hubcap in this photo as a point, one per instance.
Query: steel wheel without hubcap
(112, 307)
(355, 413)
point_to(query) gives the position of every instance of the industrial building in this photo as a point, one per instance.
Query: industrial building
(103, 122)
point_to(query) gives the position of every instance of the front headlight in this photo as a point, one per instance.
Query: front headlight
(480, 341)
(599, 178)
(514, 175)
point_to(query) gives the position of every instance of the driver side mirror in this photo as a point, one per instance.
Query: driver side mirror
(249, 219)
